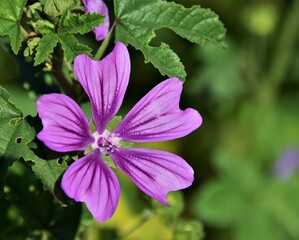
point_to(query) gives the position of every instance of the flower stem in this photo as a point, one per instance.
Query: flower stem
(24, 32)
(284, 49)
(104, 44)
(57, 62)
(45, 235)
(282, 55)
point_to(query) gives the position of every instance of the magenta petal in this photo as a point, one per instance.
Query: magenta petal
(157, 116)
(155, 172)
(65, 127)
(105, 82)
(90, 180)
(98, 6)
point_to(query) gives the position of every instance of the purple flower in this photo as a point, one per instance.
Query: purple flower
(156, 117)
(287, 164)
(98, 6)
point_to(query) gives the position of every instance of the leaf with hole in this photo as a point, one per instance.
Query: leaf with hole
(16, 136)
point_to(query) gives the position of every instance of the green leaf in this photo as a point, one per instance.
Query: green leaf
(227, 199)
(188, 230)
(10, 16)
(42, 215)
(45, 47)
(43, 26)
(32, 44)
(81, 23)
(212, 80)
(68, 25)
(48, 165)
(55, 8)
(172, 213)
(49, 171)
(219, 205)
(15, 134)
(138, 20)
(248, 202)
(71, 46)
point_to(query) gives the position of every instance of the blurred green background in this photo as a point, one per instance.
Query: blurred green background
(245, 154)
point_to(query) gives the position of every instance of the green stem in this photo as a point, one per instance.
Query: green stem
(104, 44)
(44, 235)
(284, 49)
(24, 32)
(57, 62)
(282, 55)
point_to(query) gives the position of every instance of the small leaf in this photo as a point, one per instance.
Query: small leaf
(165, 60)
(137, 21)
(55, 8)
(113, 123)
(45, 47)
(71, 46)
(188, 230)
(10, 16)
(43, 26)
(32, 44)
(81, 23)
(172, 213)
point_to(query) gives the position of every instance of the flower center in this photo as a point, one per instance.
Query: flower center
(106, 142)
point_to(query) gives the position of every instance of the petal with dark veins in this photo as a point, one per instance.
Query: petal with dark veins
(155, 172)
(91, 181)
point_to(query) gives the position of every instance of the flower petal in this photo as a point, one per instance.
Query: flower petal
(155, 172)
(157, 116)
(90, 180)
(105, 82)
(98, 6)
(65, 127)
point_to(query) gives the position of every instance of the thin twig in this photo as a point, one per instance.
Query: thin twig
(57, 62)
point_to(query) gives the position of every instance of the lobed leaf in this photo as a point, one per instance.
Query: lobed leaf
(55, 8)
(10, 16)
(81, 23)
(41, 214)
(68, 25)
(45, 47)
(71, 46)
(138, 20)
(15, 136)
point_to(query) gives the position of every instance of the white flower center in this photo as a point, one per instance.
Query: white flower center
(106, 142)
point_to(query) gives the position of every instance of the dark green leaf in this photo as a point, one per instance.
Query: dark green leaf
(137, 21)
(41, 213)
(71, 46)
(68, 25)
(10, 15)
(15, 134)
(81, 23)
(48, 165)
(45, 47)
